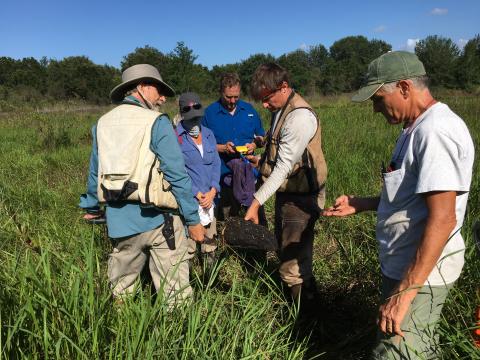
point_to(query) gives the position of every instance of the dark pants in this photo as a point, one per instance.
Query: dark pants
(229, 206)
(295, 217)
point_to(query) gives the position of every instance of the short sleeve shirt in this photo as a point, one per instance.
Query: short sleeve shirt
(239, 128)
(434, 154)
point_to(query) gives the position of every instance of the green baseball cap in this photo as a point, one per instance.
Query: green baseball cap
(390, 67)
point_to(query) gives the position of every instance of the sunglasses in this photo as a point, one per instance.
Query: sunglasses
(267, 97)
(187, 108)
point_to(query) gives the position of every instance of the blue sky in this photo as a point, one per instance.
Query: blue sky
(221, 32)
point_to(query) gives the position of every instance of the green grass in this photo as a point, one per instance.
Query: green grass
(54, 296)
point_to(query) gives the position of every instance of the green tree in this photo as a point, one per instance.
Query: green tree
(302, 74)
(185, 75)
(29, 72)
(320, 62)
(147, 55)
(78, 77)
(247, 68)
(177, 68)
(469, 66)
(8, 67)
(217, 72)
(351, 56)
(439, 56)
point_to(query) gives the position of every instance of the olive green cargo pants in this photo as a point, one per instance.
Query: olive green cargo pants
(418, 325)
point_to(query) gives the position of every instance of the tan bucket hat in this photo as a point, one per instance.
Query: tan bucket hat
(135, 75)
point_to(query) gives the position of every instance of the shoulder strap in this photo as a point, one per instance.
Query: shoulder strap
(179, 137)
(281, 118)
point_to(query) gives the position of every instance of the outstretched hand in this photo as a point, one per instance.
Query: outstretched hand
(344, 206)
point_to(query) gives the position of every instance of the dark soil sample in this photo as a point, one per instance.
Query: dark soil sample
(239, 233)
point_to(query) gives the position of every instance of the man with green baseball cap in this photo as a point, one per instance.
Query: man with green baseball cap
(421, 208)
(392, 66)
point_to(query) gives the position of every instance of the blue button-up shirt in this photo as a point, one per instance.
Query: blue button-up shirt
(203, 171)
(127, 218)
(239, 128)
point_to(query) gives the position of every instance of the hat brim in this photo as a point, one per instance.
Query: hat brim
(366, 92)
(118, 92)
(193, 113)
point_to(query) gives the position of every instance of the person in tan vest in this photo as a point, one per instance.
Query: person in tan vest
(137, 172)
(292, 167)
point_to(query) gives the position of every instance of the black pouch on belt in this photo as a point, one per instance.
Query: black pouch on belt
(168, 231)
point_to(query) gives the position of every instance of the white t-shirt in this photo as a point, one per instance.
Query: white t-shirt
(200, 148)
(434, 154)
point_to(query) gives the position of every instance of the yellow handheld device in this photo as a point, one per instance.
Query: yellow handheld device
(241, 149)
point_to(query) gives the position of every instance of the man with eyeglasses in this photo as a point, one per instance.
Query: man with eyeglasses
(421, 208)
(133, 145)
(292, 167)
(234, 122)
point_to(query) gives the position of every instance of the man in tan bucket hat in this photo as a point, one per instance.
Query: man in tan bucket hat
(137, 172)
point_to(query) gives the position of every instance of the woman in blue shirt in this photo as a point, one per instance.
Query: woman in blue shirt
(202, 162)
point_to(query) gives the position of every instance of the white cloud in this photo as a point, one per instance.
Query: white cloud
(380, 29)
(303, 47)
(439, 11)
(461, 43)
(410, 45)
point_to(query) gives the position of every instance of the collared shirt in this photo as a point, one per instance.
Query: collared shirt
(239, 128)
(127, 218)
(204, 170)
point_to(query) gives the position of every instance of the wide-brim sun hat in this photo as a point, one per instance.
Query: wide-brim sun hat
(390, 67)
(137, 74)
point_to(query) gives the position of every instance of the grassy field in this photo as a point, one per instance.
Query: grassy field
(54, 297)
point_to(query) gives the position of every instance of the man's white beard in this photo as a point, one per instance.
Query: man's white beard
(152, 106)
(156, 107)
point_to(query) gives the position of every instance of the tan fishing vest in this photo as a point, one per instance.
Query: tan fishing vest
(309, 174)
(127, 169)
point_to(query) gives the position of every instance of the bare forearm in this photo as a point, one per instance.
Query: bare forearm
(440, 223)
(365, 203)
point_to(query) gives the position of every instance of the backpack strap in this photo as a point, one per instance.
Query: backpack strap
(179, 137)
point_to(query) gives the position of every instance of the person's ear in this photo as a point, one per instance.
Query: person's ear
(405, 87)
(284, 86)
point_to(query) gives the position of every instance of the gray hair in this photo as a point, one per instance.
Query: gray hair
(420, 82)
(131, 92)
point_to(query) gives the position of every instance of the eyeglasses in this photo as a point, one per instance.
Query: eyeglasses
(270, 95)
(187, 108)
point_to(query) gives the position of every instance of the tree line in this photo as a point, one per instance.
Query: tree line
(314, 71)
